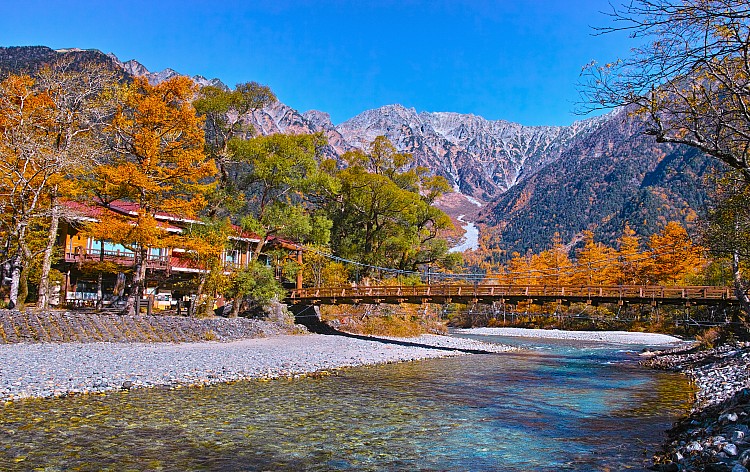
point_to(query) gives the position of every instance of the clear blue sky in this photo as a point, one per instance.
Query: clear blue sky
(513, 60)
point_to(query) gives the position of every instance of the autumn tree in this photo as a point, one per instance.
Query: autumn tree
(688, 79)
(596, 264)
(26, 168)
(554, 264)
(157, 163)
(631, 259)
(520, 270)
(205, 244)
(727, 231)
(674, 255)
(81, 103)
(489, 256)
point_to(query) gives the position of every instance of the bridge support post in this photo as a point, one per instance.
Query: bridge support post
(309, 317)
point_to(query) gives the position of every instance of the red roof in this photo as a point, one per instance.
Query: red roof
(124, 208)
(95, 212)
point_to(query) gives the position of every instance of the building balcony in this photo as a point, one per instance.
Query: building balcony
(123, 258)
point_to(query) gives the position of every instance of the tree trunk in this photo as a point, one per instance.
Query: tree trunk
(236, 306)
(23, 287)
(198, 295)
(139, 278)
(259, 247)
(15, 280)
(44, 287)
(739, 287)
(99, 294)
(99, 279)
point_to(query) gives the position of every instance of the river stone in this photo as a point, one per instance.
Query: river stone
(744, 458)
(732, 417)
(716, 467)
(739, 468)
(730, 449)
(694, 446)
(738, 436)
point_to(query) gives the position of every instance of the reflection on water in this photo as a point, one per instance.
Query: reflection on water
(555, 407)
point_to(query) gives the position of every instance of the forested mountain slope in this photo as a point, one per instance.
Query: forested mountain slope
(613, 176)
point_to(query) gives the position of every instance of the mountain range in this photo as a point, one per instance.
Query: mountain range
(530, 181)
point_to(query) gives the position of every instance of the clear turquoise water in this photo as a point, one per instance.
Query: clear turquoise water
(553, 407)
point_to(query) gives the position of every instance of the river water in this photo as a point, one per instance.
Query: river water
(554, 406)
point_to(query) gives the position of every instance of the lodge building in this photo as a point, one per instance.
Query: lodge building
(171, 274)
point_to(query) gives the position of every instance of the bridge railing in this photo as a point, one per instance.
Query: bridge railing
(478, 291)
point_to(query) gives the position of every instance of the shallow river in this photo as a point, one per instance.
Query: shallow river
(554, 407)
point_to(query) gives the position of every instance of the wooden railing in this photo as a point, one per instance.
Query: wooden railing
(482, 293)
(120, 257)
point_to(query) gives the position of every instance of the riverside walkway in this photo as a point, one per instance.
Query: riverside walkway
(512, 294)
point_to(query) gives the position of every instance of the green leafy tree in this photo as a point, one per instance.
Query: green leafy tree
(382, 214)
(253, 287)
(279, 173)
(224, 113)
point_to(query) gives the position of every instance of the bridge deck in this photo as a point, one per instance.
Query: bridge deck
(488, 293)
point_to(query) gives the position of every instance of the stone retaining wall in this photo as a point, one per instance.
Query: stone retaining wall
(66, 326)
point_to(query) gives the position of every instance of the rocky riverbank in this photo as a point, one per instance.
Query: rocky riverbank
(59, 369)
(716, 436)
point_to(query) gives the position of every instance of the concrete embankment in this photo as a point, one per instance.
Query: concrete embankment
(64, 327)
(716, 436)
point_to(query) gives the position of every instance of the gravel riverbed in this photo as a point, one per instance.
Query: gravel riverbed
(58, 369)
(616, 337)
(716, 436)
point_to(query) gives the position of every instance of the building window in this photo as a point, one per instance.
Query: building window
(232, 257)
(110, 248)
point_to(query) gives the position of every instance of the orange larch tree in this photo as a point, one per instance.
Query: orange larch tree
(674, 255)
(596, 263)
(157, 162)
(553, 266)
(520, 271)
(631, 259)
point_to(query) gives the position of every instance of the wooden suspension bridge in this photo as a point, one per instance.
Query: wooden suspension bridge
(513, 294)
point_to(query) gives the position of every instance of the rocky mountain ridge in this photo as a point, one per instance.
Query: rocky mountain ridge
(479, 157)
(595, 174)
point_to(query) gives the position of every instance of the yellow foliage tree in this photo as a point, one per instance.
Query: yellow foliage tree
(674, 255)
(157, 163)
(520, 271)
(631, 260)
(552, 266)
(26, 167)
(596, 263)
